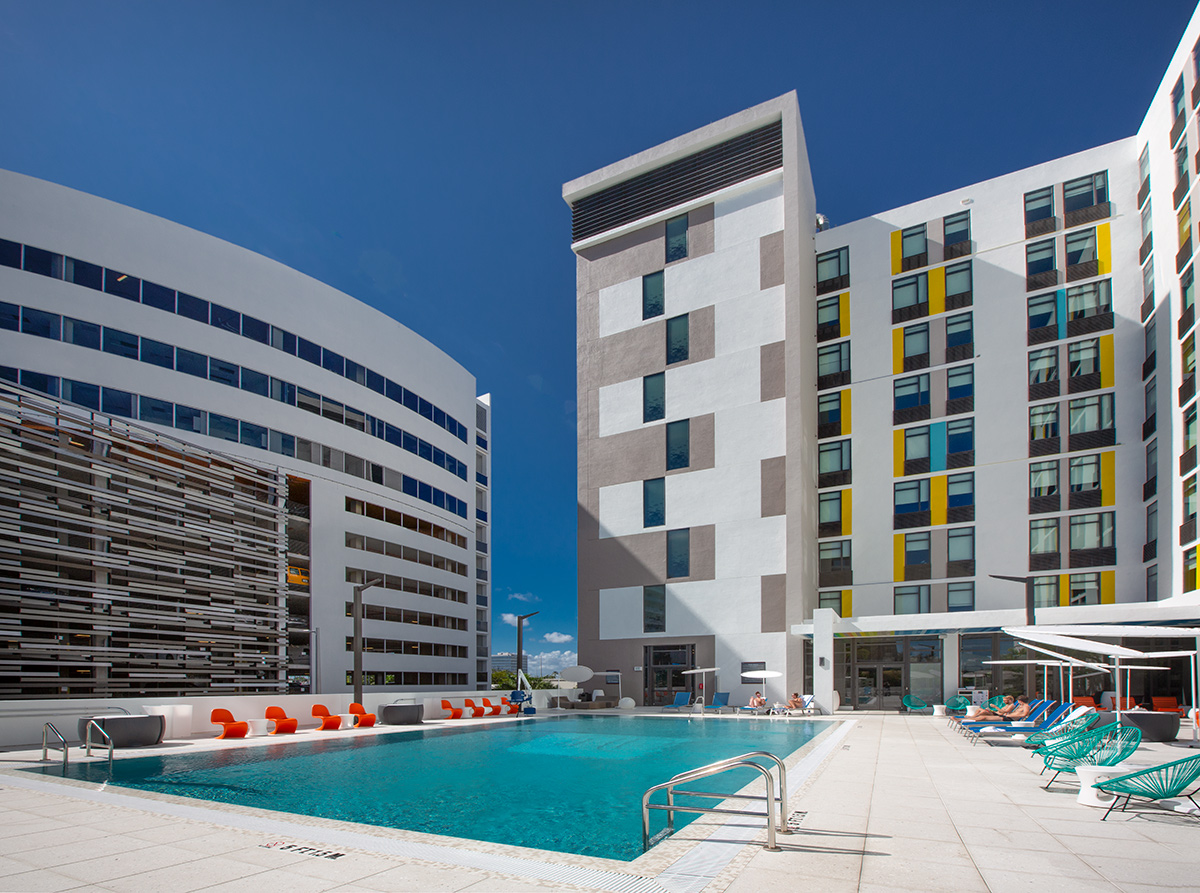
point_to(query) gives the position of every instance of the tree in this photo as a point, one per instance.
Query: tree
(506, 680)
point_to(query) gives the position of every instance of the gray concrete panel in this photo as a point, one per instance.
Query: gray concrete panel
(937, 391)
(770, 260)
(616, 260)
(774, 603)
(701, 230)
(772, 371)
(939, 598)
(938, 551)
(774, 486)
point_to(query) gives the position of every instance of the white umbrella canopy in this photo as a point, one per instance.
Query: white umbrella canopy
(576, 674)
(700, 671)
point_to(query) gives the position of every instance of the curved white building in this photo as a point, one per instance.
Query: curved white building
(381, 434)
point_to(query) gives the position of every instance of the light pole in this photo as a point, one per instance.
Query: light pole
(520, 645)
(358, 613)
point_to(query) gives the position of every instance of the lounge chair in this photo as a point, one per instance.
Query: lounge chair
(505, 702)
(1084, 701)
(807, 706)
(230, 727)
(1105, 746)
(1167, 705)
(682, 699)
(1155, 783)
(475, 709)
(1048, 720)
(956, 704)
(493, 709)
(720, 702)
(362, 719)
(913, 704)
(455, 712)
(330, 722)
(1078, 720)
(1036, 711)
(764, 710)
(284, 724)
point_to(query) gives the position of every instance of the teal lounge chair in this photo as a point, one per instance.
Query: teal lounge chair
(720, 702)
(957, 704)
(682, 699)
(1155, 783)
(1105, 746)
(1078, 722)
(913, 704)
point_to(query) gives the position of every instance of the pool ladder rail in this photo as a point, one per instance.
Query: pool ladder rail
(49, 729)
(740, 762)
(95, 725)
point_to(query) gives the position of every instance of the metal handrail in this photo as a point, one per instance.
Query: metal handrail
(92, 724)
(49, 727)
(716, 768)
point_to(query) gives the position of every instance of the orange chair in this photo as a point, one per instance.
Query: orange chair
(230, 727)
(284, 724)
(512, 708)
(1166, 705)
(363, 719)
(493, 709)
(455, 712)
(1083, 701)
(475, 709)
(329, 722)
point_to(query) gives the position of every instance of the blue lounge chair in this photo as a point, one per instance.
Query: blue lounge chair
(1052, 717)
(1036, 710)
(720, 702)
(1036, 715)
(682, 699)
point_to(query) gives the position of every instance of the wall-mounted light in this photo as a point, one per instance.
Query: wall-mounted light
(823, 662)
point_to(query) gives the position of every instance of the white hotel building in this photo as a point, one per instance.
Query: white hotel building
(790, 432)
(377, 438)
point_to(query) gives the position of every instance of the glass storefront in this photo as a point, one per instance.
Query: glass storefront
(875, 673)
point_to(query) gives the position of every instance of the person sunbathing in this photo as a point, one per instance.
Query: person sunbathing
(758, 700)
(1001, 715)
(1016, 713)
(795, 702)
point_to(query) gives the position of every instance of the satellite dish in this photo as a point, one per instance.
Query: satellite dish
(576, 674)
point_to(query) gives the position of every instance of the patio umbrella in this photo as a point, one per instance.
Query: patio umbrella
(701, 671)
(762, 674)
(576, 674)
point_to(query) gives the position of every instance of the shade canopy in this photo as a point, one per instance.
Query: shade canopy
(701, 670)
(1111, 631)
(761, 674)
(1072, 661)
(1104, 648)
(576, 674)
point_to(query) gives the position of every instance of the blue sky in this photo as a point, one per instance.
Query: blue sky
(412, 154)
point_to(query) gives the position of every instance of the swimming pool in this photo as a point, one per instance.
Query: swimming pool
(571, 784)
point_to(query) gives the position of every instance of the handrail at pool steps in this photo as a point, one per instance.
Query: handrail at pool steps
(92, 724)
(46, 730)
(744, 761)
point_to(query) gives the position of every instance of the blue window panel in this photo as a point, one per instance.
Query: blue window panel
(191, 362)
(8, 373)
(654, 502)
(82, 273)
(284, 444)
(462, 470)
(424, 491)
(334, 362)
(393, 435)
(654, 397)
(10, 317)
(83, 334)
(189, 419)
(158, 354)
(961, 438)
(282, 340)
(439, 418)
(225, 318)
(1061, 301)
(410, 442)
(425, 408)
(375, 381)
(425, 450)
(122, 285)
(677, 233)
(462, 432)
(394, 391)
(192, 308)
(937, 446)
(283, 391)
(158, 296)
(678, 553)
(256, 382)
(306, 350)
(256, 329)
(223, 427)
(411, 400)
(44, 263)
(679, 452)
(40, 381)
(254, 435)
(82, 393)
(10, 254)
(439, 498)
(355, 372)
(409, 485)
(41, 323)
(116, 402)
(223, 372)
(123, 344)
(481, 441)
(439, 459)
(160, 412)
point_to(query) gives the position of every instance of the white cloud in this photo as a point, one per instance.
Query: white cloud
(523, 597)
(511, 619)
(548, 662)
(557, 638)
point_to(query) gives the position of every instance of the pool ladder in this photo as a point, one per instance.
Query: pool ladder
(47, 729)
(740, 762)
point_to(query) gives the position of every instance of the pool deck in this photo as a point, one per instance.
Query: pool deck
(881, 802)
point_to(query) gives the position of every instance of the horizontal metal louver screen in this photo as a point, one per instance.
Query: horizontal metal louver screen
(722, 165)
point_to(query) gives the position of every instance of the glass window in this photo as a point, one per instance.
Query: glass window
(308, 401)
(916, 548)
(1185, 222)
(912, 241)
(678, 444)
(254, 435)
(1189, 570)
(960, 544)
(1045, 592)
(960, 490)
(1152, 459)
(1083, 357)
(1081, 247)
(285, 444)
(223, 372)
(307, 350)
(189, 419)
(1151, 336)
(654, 609)
(916, 443)
(160, 412)
(1043, 536)
(227, 319)
(1039, 257)
(192, 308)
(120, 284)
(115, 402)
(1178, 103)
(1043, 365)
(1085, 473)
(678, 553)
(1085, 191)
(82, 393)
(677, 238)
(833, 358)
(256, 382)
(910, 291)
(1187, 288)
(283, 391)
(1148, 278)
(1152, 583)
(960, 436)
(958, 278)
(191, 362)
(123, 344)
(1189, 499)
(1085, 589)
(1151, 396)
(82, 273)
(1043, 311)
(358, 374)
(158, 296)
(912, 496)
(957, 228)
(334, 411)
(1089, 300)
(961, 596)
(677, 339)
(222, 427)
(256, 330)
(48, 384)
(833, 264)
(1152, 522)
(1187, 353)
(158, 353)
(653, 295)
(1039, 204)
(334, 362)
(1043, 478)
(834, 456)
(916, 340)
(912, 600)
(835, 556)
(829, 408)
(41, 323)
(1093, 531)
(830, 600)
(1091, 413)
(654, 397)
(1147, 220)
(959, 330)
(909, 392)
(1189, 427)
(960, 382)
(10, 316)
(1043, 421)
(281, 340)
(654, 502)
(10, 254)
(829, 507)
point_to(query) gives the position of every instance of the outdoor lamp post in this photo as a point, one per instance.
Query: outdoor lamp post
(358, 613)
(520, 644)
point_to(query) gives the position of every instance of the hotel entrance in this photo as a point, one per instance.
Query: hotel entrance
(664, 676)
(873, 673)
(879, 687)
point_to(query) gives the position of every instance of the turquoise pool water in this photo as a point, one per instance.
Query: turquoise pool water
(571, 784)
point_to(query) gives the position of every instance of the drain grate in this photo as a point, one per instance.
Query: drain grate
(845, 747)
(794, 820)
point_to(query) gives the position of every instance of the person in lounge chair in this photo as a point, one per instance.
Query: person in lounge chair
(1004, 714)
(757, 701)
(795, 702)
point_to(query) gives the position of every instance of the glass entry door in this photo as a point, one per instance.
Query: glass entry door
(664, 675)
(879, 687)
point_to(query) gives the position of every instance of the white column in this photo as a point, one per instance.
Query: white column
(823, 658)
(950, 663)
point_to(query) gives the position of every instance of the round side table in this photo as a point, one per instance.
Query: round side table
(1089, 775)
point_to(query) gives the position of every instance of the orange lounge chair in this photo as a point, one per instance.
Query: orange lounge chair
(363, 719)
(475, 709)
(284, 724)
(455, 712)
(230, 727)
(493, 709)
(512, 708)
(329, 722)
(1166, 705)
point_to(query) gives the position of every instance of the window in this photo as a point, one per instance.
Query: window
(829, 409)
(1178, 103)
(1081, 247)
(1043, 479)
(1151, 397)
(1152, 460)
(959, 330)
(677, 339)
(829, 508)
(283, 391)
(909, 392)
(1187, 353)
(961, 596)
(189, 419)
(158, 354)
(1092, 531)
(1085, 473)
(653, 295)
(1189, 570)
(912, 600)
(1043, 536)
(333, 362)
(158, 411)
(910, 291)
(308, 401)
(82, 273)
(82, 393)
(1045, 592)
(114, 283)
(960, 544)
(1187, 288)
(1043, 311)
(41, 323)
(1039, 204)
(191, 363)
(916, 443)
(1185, 223)
(1039, 258)
(912, 496)
(833, 457)
(654, 609)
(833, 359)
(1151, 336)
(225, 318)
(257, 383)
(1084, 589)
(49, 384)
(916, 340)
(833, 269)
(958, 279)
(957, 228)
(1152, 583)
(960, 490)
(1085, 192)
(829, 316)
(678, 553)
(1043, 421)
(750, 666)
(123, 344)
(960, 382)
(678, 444)
(916, 549)
(1089, 300)
(654, 397)
(114, 402)
(1083, 357)
(281, 340)
(225, 373)
(1148, 278)
(1091, 414)
(1043, 365)
(1152, 522)
(960, 436)
(256, 330)
(913, 243)
(830, 600)
(1147, 221)
(835, 559)
(192, 308)
(308, 351)
(654, 502)
(1189, 499)
(1189, 428)
(677, 238)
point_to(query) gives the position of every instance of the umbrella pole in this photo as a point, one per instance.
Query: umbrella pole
(1195, 714)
